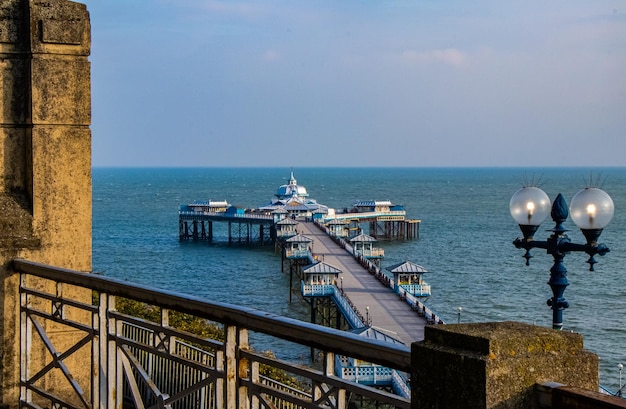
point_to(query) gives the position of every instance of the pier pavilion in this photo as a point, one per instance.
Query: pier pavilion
(295, 200)
(199, 220)
(383, 219)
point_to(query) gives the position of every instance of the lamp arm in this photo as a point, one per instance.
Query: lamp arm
(591, 249)
(527, 244)
(530, 244)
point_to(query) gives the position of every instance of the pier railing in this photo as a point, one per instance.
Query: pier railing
(297, 253)
(226, 215)
(316, 290)
(389, 215)
(376, 271)
(375, 252)
(142, 363)
(418, 290)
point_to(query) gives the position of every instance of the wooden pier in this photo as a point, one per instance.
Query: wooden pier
(384, 309)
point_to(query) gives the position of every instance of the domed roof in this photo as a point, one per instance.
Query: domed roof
(291, 189)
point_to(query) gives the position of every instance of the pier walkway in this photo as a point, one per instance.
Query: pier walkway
(387, 312)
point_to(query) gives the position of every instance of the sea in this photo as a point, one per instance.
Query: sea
(465, 242)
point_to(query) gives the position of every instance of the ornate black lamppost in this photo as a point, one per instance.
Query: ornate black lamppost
(591, 210)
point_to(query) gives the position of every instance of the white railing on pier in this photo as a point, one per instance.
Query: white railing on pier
(350, 313)
(414, 302)
(367, 375)
(128, 361)
(375, 252)
(423, 310)
(400, 385)
(227, 215)
(291, 253)
(285, 233)
(317, 290)
(418, 290)
(391, 215)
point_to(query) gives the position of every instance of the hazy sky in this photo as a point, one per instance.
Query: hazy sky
(358, 83)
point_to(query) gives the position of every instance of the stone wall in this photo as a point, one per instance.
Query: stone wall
(45, 157)
(496, 365)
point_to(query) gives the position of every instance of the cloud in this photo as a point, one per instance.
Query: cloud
(218, 6)
(231, 7)
(271, 55)
(450, 56)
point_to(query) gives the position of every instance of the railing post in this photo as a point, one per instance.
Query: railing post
(236, 397)
(254, 379)
(330, 372)
(100, 356)
(106, 392)
(243, 368)
(230, 367)
(115, 369)
(220, 382)
(25, 342)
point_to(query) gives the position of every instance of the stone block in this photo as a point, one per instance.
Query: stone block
(14, 86)
(61, 91)
(59, 27)
(495, 365)
(14, 148)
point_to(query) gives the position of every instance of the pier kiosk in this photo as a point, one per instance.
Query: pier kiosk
(298, 247)
(407, 279)
(319, 280)
(329, 306)
(286, 228)
(363, 246)
(297, 251)
(338, 228)
(279, 214)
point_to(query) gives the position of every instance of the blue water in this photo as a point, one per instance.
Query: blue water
(466, 242)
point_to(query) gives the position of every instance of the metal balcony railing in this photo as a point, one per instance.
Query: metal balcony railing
(297, 253)
(138, 363)
(418, 290)
(374, 252)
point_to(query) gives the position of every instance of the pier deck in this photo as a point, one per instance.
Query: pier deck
(387, 311)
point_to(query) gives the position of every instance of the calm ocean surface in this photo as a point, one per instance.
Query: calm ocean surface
(466, 242)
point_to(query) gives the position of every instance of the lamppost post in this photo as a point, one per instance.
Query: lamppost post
(619, 368)
(591, 209)
(459, 309)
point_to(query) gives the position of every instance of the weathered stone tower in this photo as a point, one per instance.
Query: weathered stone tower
(45, 154)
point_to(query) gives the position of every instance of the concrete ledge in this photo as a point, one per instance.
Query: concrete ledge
(496, 365)
(552, 395)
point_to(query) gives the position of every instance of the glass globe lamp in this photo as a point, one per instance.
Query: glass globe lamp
(591, 209)
(529, 206)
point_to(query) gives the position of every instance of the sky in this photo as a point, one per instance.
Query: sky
(318, 83)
